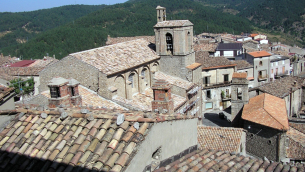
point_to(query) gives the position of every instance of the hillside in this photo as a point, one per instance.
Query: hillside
(127, 19)
(21, 27)
(283, 16)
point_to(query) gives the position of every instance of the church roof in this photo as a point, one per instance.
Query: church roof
(118, 57)
(267, 110)
(174, 23)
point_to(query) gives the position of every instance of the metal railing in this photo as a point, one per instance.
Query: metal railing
(217, 84)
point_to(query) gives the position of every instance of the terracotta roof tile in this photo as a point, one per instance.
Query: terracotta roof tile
(239, 75)
(259, 54)
(111, 41)
(118, 57)
(296, 148)
(214, 62)
(242, 64)
(103, 146)
(282, 87)
(174, 80)
(174, 23)
(269, 111)
(193, 66)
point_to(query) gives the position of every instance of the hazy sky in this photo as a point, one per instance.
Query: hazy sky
(31, 5)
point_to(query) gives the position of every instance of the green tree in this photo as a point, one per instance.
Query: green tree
(23, 87)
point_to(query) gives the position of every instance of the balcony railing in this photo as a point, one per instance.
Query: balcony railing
(217, 84)
(262, 77)
(279, 74)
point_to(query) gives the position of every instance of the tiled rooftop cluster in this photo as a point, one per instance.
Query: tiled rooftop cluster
(215, 160)
(57, 141)
(205, 47)
(119, 57)
(242, 64)
(111, 41)
(174, 23)
(282, 87)
(214, 62)
(5, 61)
(21, 71)
(43, 62)
(219, 138)
(4, 91)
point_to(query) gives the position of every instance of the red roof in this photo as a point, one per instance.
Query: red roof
(23, 63)
(259, 54)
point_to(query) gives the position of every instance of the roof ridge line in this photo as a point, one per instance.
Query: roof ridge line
(272, 115)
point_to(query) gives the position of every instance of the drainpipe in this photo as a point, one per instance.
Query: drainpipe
(290, 102)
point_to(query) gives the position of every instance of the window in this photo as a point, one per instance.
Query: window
(260, 63)
(169, 43)
(271, 64)
(143, 74)
(283, 62)
(208, 94)
(206, 81)
(130, 79)
(72, 91)
(55, 93)
(276, 63)
(226, 78)
(209, 105)
(272, 71)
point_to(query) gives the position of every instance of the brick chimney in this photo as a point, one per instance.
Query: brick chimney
(163, 102)
(64, 92)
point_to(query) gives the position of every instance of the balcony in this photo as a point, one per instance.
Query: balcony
(217, 84)
(262, 77)
(279, 74)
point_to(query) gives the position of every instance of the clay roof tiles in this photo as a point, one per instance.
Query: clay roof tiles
(193, 66)
(242, 64)
(267, 110)
(118, 57)
(174, 80)
(174, 23)
(296, 148)
(111, 41)
(239, 75)
(219, 138)
(217, 160)
(282, 87)
(259, 54)
(214, 62)
(21, 71)
(93, 141)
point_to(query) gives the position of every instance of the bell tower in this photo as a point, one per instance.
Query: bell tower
(174, 44)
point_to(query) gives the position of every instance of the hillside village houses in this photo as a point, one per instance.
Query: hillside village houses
(138, 104)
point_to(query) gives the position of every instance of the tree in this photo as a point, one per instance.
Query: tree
(23, 87)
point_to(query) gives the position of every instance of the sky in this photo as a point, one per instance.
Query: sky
(32, 5)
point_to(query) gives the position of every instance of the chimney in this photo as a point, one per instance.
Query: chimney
(161, 14)
(163, 102)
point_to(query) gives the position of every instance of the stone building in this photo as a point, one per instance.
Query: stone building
(261, 64)
(240, 96)
(266, 123)
(288, 88)
(216, 81)
(124, 72)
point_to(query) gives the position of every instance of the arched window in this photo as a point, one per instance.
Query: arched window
(130, 79)
(169, 43)
(143, 73)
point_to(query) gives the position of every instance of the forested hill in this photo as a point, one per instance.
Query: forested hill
(20, 27)
(127, 19)
(287, 16)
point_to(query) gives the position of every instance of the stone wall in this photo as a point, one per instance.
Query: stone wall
(172, 137)
(70, 67)
(262, 141)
